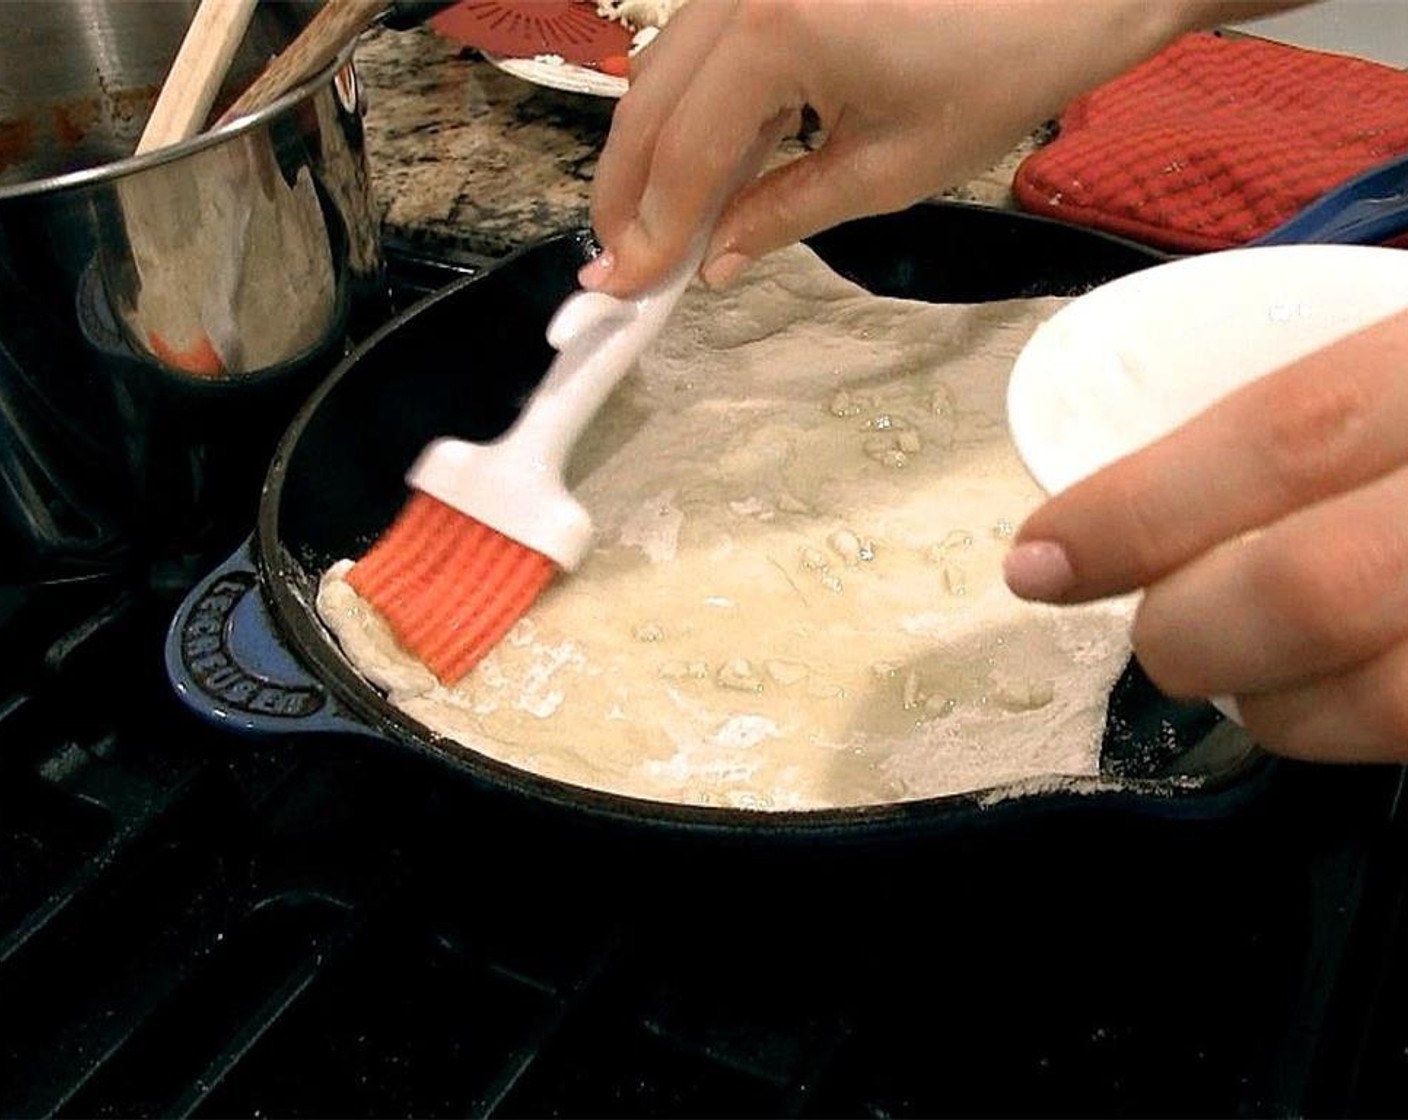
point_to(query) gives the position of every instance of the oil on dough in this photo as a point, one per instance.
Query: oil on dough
(802, 500)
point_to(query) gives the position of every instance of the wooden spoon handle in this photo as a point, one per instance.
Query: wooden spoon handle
(197, 72)
(337, 23)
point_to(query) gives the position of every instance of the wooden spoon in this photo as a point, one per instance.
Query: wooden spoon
(197, 73)
(337, 24)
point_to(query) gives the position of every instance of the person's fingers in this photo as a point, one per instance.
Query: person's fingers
(712, 141)
(1317, 593)
(642, 58)
(639, 62)
(1360, 715)
(845, 178)
(665, 69)
(1323, 425)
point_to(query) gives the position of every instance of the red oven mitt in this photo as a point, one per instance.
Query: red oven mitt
(1215, 141)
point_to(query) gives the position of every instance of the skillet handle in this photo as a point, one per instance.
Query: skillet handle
(227, 662)
(1368, 209)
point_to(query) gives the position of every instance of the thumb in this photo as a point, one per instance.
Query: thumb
(660, 235)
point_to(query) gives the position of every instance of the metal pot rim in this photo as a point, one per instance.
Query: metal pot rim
(132, 165)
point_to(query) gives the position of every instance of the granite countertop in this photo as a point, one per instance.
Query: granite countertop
(465, 157)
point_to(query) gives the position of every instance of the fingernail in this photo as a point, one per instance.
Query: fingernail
(1039, 570)
(724, 269)
(597, 271)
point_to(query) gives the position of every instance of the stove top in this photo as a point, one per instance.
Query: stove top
(196, 923)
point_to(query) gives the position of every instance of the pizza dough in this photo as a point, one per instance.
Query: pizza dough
(802, 499)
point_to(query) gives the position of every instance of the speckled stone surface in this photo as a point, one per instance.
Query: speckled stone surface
(464, 156)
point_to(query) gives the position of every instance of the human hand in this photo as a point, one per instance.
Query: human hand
(1270, 535)
(913, 95)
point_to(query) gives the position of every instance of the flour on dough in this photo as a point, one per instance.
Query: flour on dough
(802, 499)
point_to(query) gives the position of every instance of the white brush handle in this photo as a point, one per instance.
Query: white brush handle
(515, 484)
(195, 77)
(598, 339)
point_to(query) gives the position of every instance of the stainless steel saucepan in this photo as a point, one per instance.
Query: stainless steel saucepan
(131, 334)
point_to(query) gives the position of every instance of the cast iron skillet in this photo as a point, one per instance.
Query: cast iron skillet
(246, 648)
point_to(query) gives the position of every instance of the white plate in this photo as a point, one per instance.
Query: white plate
(1132, 360)
(562, 75)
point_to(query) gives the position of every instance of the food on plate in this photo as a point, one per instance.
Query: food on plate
(638, 14)
(794, 601)
(643, 17)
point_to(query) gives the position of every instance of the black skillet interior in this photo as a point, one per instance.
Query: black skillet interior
(461, 363)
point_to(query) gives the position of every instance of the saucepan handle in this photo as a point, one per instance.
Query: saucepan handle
(227, 662)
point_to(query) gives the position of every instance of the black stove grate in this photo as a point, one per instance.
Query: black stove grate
(196, 925)
(192, 923)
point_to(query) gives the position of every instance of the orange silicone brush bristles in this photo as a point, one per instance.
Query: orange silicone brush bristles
(449, 586)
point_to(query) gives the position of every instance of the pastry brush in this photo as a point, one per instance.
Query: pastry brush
(489, 524)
